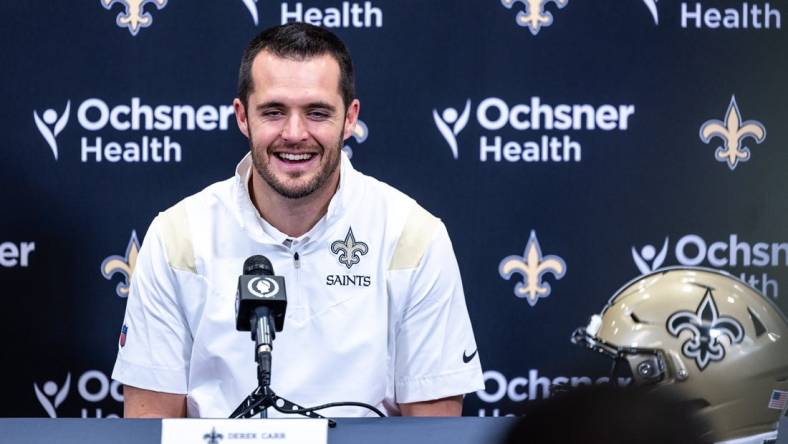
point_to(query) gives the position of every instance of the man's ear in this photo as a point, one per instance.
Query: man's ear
(241, 117)
(351, 117)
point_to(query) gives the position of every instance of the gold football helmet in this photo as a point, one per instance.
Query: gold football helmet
(701, 336)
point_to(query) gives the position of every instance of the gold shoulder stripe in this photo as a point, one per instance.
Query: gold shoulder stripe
(417, 233)
(175, 236)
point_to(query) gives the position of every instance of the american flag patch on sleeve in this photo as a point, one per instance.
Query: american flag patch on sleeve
(122, 339)
(778, 400)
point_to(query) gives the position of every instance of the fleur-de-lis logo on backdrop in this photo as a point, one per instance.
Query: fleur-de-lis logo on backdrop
(532, 266)
(732, 132)
(133, 17)
(534, 17)
(706, 327)
(123, 265)
(51, 397)
(349, 249)
(360, 134)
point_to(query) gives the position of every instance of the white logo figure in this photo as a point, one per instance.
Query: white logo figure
(649, 254)
(252, 7)
(49, 125)
(652, 6)
(449, 116)
(51, 391)
(263, 287)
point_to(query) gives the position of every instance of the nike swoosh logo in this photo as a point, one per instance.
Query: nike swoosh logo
(466, 359)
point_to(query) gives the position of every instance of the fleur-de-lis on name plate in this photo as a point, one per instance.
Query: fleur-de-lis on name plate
(732, 132)
(532, 266)
(213, 437)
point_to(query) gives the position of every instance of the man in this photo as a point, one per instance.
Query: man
(376, 311)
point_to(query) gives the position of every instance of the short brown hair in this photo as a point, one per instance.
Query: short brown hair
(298, 41)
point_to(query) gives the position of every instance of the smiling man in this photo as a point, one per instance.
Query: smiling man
(376, 311)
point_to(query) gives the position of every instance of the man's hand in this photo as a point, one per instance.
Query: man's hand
(140, 403)
(439, 407)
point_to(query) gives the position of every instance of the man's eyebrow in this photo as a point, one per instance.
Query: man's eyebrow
(311, 105)
(271, 104)
(321, 105)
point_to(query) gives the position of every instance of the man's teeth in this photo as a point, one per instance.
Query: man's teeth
(295, 157)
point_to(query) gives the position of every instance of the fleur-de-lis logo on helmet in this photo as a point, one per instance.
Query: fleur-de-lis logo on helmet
(349, 249)
(532, 266)
(706, 327)
(134, 17)
(732, 132)
(534, 16)
(123, 265)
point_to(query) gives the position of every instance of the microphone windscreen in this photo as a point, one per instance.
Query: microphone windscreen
(258, 265)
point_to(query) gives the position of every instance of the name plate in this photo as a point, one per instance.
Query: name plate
(244, 431)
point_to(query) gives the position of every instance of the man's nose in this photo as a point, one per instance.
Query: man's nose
(294, 129)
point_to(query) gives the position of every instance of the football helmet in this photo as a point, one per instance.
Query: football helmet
(701, 336)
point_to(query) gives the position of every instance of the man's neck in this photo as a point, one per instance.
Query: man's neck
(293, 217)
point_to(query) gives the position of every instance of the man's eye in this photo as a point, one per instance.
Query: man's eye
(272, 113)
(319, 115)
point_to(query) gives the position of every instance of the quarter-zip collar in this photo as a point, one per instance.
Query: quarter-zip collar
(262, 231)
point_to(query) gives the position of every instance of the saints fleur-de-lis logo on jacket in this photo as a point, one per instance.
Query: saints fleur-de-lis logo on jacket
(732, 132)
(134, 18)
(706, 327)
(123, 265)
(532, 266)
(349, 250)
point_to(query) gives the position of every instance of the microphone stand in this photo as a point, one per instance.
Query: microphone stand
(263, 396)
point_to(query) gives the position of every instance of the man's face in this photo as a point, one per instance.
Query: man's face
(296, 122)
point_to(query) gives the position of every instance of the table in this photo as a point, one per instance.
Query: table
(399, 430)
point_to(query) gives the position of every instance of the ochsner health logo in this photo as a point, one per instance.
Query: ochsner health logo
(50, 125)
(154, 127)
(505, 124)
(731, 253)
(52, 396)
(93, 388)
(448, 117)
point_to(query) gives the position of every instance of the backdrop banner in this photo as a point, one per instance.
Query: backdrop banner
(582, 142)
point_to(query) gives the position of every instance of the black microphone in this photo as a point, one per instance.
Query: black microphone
(259, 288)
(260, 306)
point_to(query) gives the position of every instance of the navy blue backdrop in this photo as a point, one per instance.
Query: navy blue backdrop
(611, 136)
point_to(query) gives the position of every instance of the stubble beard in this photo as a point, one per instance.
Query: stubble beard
(330, 156)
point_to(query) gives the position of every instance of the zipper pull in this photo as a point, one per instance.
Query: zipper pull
(296, 260)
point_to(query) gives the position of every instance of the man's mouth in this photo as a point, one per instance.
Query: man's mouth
(293, 157)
